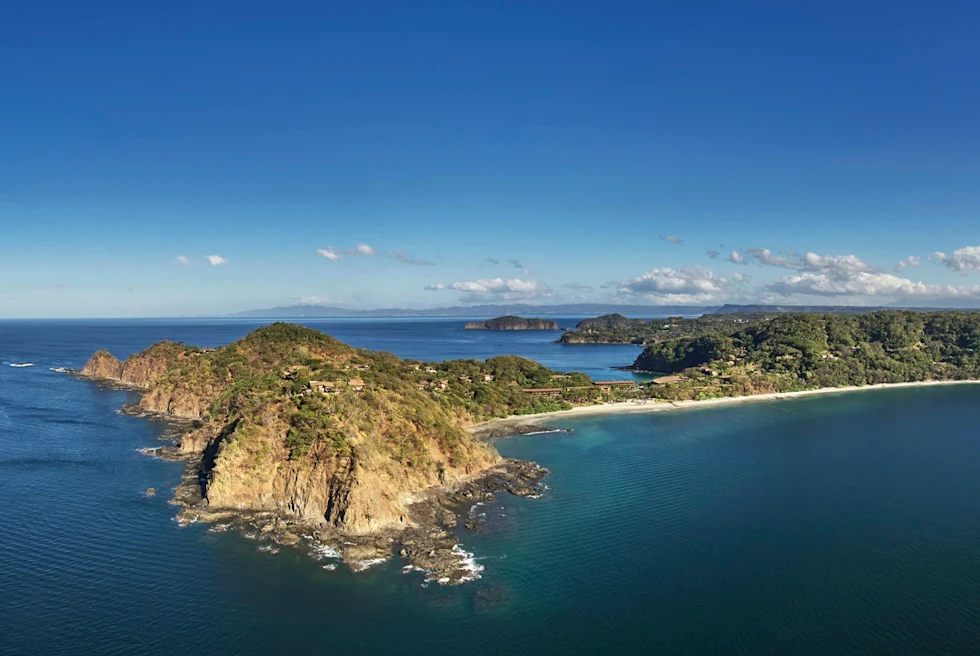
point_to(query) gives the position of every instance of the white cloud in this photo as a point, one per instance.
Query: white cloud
(849, 263)
(578, 287)
(962, 259)
(692, 285)
(407, 259)
(865, 284)
(216, 260)
(765, 256)
(312, 300)
(910, 261)
(499, 289)
(435, 288)
(362, 249)
(809, 262)
(183, 260)
(673, 239)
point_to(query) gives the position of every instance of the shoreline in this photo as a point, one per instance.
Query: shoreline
(425, 538)
(494, 428)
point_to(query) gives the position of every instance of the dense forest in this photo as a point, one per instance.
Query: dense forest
(802, 351)
(617, 329)
(512, 323)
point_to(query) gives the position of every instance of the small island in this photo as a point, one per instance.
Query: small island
(512, 323)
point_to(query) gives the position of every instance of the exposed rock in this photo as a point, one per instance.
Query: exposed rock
(103, 365)
(383, 465)
(496, 429)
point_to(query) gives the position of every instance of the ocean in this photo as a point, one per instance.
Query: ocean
(840, 524)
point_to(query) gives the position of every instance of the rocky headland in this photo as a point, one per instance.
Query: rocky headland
(293, 435)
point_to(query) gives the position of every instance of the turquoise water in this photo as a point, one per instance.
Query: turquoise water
(845, 524)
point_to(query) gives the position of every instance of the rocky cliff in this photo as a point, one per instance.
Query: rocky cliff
(269, 438)
(149, 371)
(512, 323)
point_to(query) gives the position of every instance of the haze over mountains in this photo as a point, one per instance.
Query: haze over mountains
(572, 309)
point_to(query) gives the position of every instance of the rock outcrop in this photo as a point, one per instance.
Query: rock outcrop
(103, 365)
(353, 456)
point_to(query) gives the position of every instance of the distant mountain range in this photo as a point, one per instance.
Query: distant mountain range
(520, 309)
(572, 309)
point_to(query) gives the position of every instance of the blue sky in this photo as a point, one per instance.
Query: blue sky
(794, 154)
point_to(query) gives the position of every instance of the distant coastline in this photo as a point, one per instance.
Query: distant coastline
(503, 426)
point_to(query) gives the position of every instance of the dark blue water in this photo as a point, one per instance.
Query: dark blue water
(845, 524)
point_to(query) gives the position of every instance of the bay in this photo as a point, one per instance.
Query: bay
(842, 524)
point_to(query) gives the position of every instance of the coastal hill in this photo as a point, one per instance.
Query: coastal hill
(617, 329)
(293, 422)
(794, 352)
(607, 322)
(512, 323)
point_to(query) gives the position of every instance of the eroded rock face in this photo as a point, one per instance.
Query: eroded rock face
(139, 370)
(360, 493)
(360, 456)
(175, 402)
(358, 470)
(103, 365)
(146, 370)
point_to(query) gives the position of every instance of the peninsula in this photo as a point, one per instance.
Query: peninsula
(789, 356)
(617, 329)
(796, 352)
(511, 322)
(297, 433)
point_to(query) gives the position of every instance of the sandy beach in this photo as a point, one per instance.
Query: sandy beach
(501, 426)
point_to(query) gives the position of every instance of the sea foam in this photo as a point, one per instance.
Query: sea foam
(362, 565)
(325, 551)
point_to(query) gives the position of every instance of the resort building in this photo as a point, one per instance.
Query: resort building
(544, 391)
(323, 386)
(609, 384)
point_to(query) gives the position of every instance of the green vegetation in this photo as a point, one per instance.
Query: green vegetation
(287, 393)
(512, 323)
(805, 351)
(327, 399)
(617, 329)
